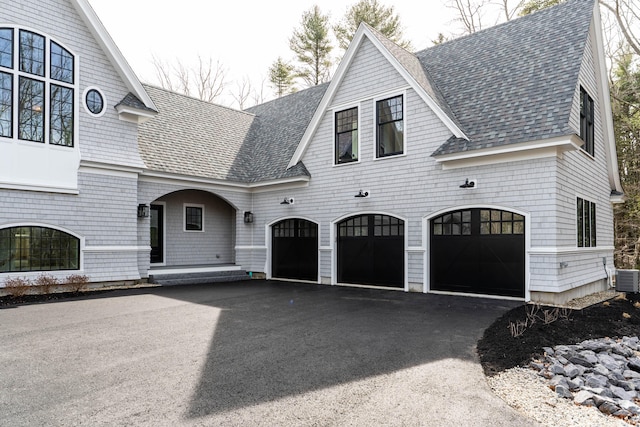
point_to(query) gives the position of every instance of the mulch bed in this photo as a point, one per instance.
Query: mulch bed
(14, 301)
(499, 350)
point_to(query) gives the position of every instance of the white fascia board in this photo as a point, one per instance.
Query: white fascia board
(605, 96)
(121, 65)
(217, 184)
(509, 153)
(103, 168)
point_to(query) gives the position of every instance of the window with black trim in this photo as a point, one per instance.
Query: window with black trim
(390, 126)
(194, 218)
(586, 223)
(453, 224)
(586, 121)
(42, 72)
(347, 136)
(32, 248)
(94, 102)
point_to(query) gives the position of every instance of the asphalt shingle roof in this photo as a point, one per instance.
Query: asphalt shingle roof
(193, 137)
(514, 82)
(508, 84)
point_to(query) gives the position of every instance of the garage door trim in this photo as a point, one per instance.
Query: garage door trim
(334, 246)
(426, 238)
(269, 245)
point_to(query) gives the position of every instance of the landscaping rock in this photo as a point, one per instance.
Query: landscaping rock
(604, 373)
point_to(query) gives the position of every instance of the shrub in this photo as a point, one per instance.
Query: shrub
(77, 282)
(46, 283)
(17, 286)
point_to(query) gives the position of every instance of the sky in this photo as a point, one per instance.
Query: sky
(246, 36)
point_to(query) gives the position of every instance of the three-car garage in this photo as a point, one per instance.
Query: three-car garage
(470, 251)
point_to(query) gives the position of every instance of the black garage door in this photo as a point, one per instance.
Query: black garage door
(478, 251)
(371, 250)
(294, 252)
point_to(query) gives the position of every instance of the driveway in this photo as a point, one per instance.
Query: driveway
(249, 353)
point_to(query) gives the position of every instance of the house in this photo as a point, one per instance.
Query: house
(482, 166)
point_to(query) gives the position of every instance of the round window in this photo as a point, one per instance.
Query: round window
(94, 102)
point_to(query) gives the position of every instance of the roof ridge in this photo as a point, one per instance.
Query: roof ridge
(193, 98)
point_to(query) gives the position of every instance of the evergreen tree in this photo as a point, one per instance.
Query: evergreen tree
(378, 16)
(625, 105)
(535, 5)
(281, 77)
(312, 46)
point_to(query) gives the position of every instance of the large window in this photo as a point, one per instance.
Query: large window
(347, 136)
(586, 121)
(586, 215)
(37, 249)
(390, 126)
(42, 72)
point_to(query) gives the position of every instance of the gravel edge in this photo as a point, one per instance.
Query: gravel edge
(525, 391)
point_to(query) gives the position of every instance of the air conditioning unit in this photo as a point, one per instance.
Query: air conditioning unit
(627, 281)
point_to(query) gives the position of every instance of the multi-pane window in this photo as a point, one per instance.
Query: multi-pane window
(193, 218)
(354, 227)
(586, 223)
(385, 225)
(37, 249)
(295, 228)
(500, 222)
(42, 72)
(453, 224)
(347, 136)
(586, 121)
(94, 102)
(390, 126)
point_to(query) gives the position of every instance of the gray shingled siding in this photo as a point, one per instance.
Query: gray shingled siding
(104, 213)
(579, 175)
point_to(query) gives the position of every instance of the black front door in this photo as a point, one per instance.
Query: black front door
(294, 253)
(479, 251)
(371, 250)
(157, 234)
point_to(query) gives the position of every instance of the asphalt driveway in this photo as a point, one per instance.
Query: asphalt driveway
(249, 353)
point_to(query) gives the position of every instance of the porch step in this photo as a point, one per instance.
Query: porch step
(196, 278)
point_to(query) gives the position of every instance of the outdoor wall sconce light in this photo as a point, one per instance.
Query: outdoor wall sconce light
(287, 201)
(469, 183)
(248, 217)
(143, 211)
(362, 194)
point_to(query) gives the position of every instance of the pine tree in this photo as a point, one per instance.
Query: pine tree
(378, 16)
(312, 46)
(281, 77)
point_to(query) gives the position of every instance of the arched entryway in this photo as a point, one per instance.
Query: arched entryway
(479, 251)
(294, 249)
(371, 250)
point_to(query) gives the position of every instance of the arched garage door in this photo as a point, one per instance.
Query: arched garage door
(294, 252)
(371, 250)
(478, 251)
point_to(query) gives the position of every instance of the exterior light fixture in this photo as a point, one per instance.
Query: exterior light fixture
(248, 217)
(143, 211)
(362, 194)
(469, 183)
(287, 201)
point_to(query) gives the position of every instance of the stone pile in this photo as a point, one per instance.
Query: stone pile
(604, 373)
